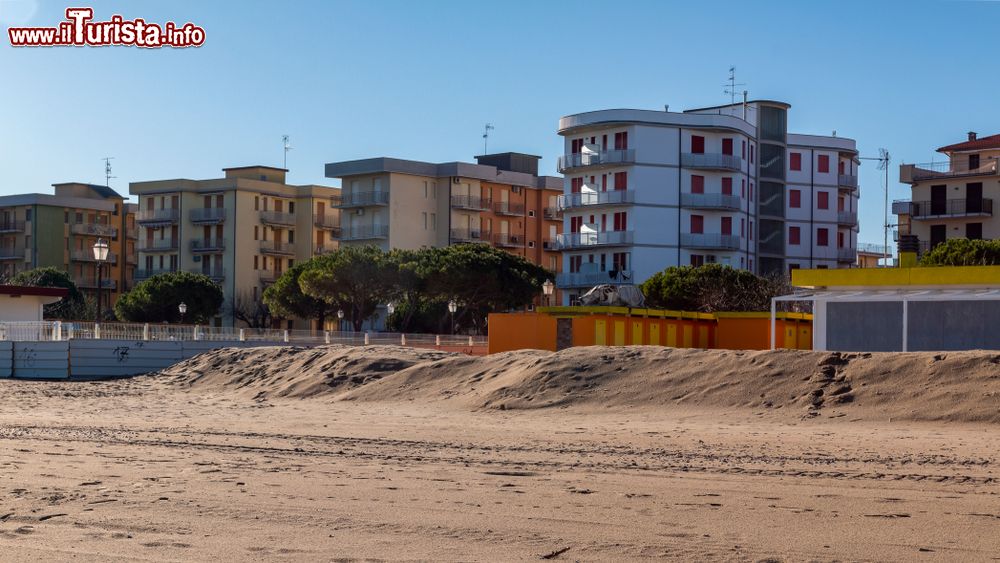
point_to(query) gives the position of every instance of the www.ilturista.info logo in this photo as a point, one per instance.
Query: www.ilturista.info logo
(78, 30)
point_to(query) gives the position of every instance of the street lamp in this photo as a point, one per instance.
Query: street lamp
(100, 255)
(340, 319)
(548, 288)
(183, 308)
(452, 307)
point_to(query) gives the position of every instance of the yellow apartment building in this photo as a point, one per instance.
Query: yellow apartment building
(243, 230)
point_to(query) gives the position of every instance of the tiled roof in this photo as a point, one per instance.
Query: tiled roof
(991, 142)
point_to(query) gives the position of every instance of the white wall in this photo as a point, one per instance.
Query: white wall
(23, 307)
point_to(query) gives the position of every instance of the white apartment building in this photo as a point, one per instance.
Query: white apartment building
(645, 190)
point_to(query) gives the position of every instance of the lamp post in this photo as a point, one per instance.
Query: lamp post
(182, 308)
(548, 288)
(390, 308)
(100, 255)
(452, 307)
(340, 320)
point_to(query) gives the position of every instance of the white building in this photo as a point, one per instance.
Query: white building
(645, 190)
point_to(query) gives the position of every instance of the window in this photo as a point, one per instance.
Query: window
(697, 260)
(743, 152)
(697, 184)
(434, 223)
(727, 226)
(256, 203)
(256, 262)
(574, 263)
(794, 235)
(66, 216)
(531, 213)
(27, 215)
(795, 199)
(576, 185)
(974, 231)
(256, 232)
(840, 239)
(822, 200)
(621, 141)
(291, 237)
(425, 220)
(576, 146)
(621, 221)
(575, 223)
(822, 237)
(621, 180)
(795, 161)
(531, 244)
(291, 207)
(727, 146)
(840, 167)
(727, 186)
(427, 190)
(823, 164)
(697, 144)
(751, 162)
(751, 191)
(697, 224)
(750, 232)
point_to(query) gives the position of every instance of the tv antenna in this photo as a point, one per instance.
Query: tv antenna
(730, 87)
(486, 136)
(107, 170)
(883, 159)
(287, 146)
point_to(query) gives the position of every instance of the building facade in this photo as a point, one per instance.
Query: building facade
(645, 190)
(501, 200)
(60, 229)
(954, 198)
(243, 230)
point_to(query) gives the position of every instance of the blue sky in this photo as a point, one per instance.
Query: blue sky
(419, 79)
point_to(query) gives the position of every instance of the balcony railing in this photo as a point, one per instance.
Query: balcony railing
(470, 202)
(508, 240)
(585, 199)
(132, 233)
(552, 213)
(277, 218)
(273, 247)
(208, 245)
(208, 215)
(847, 181)
(165, 216)
(268, 277)
(327, 221)
(11, 226)
(93, 230)
(710, 241)
(324, 249)
(508, 208)
(870, 248)
(847, 254)
(469, 235)
(942, 170)
(591, 239)
(360, 199)
(944, 208)
(90, 282)
(145, 274)
(711, 161)
(87, 255)
(710, 201)
(849, 218)
(217, 274)
(590, 279)
(605, 158)
(165, 245)
(365, 233)
(11, 254)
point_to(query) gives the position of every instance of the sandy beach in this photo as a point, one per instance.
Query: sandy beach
(392, 454)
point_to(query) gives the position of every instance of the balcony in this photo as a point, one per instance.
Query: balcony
(145, 274)
(566, 241)
(586, 199)
(326, 248)
(132, 233)
(93, 230)
(475, 203)
(710, 201)
(847, 182)
(208, 245)
(277, 248)
(87, 255)
(590, 279)
(208, 215)
(267, 277)
(157, 217)
(847, 254)
(327, 222)
(552, 213)
(508, 240)
(550, 245)
(710, 241)
(365, 233)
(508, 208)
(847, 218)
(216, 274)
(90, 282)
(164, 245)
(360, 199)
(944, 209)
(11, 254)
(7, 227)
(605, 158)
(277, 218)
(712, 161)
(909, 173)
(469, 235)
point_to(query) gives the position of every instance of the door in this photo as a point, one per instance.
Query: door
(974, 231)
(672, 334)
(619, 333)
(636, 333)
(654, 333)
(939, 200)
(974, 198)
(938, 234)
(973, 161)
(600, 333)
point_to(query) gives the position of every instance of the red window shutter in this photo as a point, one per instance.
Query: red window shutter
(727, 186)
(697, 144)
(795, 161)
(822, 237)
(604, 221)
(751, 191)
(751, 230)
(823, 200)
(621, 141)
(751, 154)
(840, 167)
(727, 146)
(794, 235)
(604, 182)
(727, 225)
(744, 150)
(840, 240)
(697, 224)
(795, 199)
(576, 185)
(743, 187)
(697, 184)
(621, 181)
(823, 164)
(743, 227)
(624, 221)
(575, 223)
(576, 145)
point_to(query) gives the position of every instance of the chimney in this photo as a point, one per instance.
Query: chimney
(972, 135)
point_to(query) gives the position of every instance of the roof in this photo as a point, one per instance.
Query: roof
(784, 105)
(991, 142)
(18, 290)
(255, 166)
(910, 278)
(103, 191)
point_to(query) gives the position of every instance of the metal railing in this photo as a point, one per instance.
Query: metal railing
(217, 274)
(872, 248)
(582, 160)
(327, 221)
(469, 235)
(365, 233)
(325, 248)
(145, 274)
(132, 233)
(711, 161)
(508, 208)
(943, 208)
(158, 216)
(590, 279)
(552, 213)
(847, 218)
(470, 202)
(277, 218)
(214, 244)
(711, 241)
(268, 277)
(508, 240)
(711, 201)
(584, 199)
(11, 254)
(93, 229)
(11, 226)
(584, 240)
(87, 255)
(274, 247)
(360, 199)
(157, 245)
(931, 170)
(847, 181)
(847, 254)
(90, 282)
(208, 215)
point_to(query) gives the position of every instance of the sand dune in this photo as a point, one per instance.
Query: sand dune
(958, 386)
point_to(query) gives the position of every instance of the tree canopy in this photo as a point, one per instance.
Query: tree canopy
(963, 252)
(285, 297)
(156, 299)
(71, 307)
(356, 279)
(711, 288)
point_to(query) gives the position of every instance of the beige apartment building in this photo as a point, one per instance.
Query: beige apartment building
(243, 230)
(501, 200)
(60, 229)
(953, 198)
